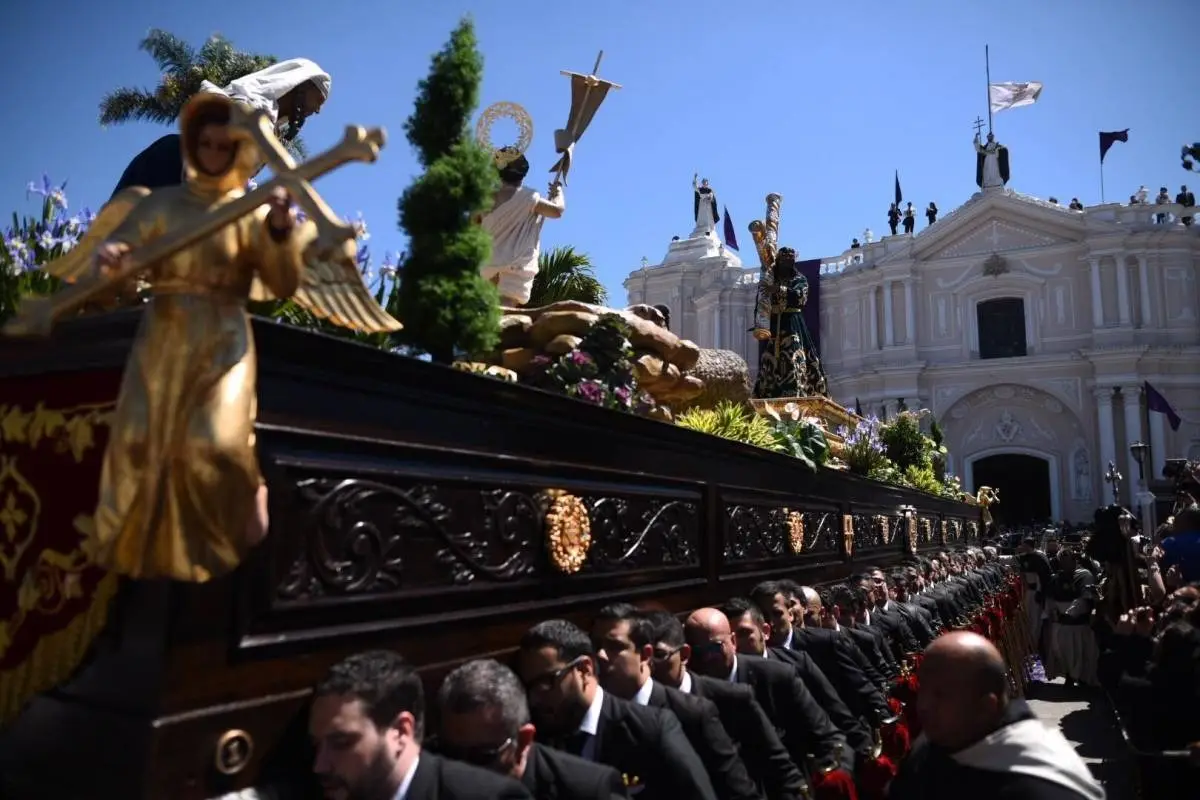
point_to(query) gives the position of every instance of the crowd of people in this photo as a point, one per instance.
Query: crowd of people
(900, 683)
(1119, 612)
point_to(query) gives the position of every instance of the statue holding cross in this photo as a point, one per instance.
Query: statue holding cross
(991, 160)
(181, 496)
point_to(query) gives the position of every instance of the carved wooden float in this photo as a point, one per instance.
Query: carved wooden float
(412, 506)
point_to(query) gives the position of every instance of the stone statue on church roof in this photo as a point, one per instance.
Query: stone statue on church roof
(991, 163)
(704, 207)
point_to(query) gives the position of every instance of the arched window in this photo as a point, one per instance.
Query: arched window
(1001, 327)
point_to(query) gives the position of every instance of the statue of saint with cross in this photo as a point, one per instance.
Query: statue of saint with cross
(991, 160)
(181, 496)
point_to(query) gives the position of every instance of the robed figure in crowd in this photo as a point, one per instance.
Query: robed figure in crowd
(515, 224)
(288, 92)
(705, 206)
(991, 163)
(788, 363)
(181, 495)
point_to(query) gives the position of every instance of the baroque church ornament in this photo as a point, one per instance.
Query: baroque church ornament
(995, 266)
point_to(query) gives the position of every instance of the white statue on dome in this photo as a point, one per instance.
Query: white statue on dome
(704, 207)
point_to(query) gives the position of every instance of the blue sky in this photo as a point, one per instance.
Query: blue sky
(817, 101)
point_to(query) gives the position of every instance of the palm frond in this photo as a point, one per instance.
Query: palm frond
(172, 54)
(565, 274)
(127, 105)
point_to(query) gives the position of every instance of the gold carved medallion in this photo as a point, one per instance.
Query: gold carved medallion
(795, 523)
(568, 532)
(848, 534)
(912, 534)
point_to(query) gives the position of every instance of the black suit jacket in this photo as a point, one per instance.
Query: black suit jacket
(857, 734)
(843, 664)
(803, 726)
(648, 744)
(751, 729)
(441, 779)
(919, 621)
(899, 637)
(868, 645)
(554, 775)
(701, 724)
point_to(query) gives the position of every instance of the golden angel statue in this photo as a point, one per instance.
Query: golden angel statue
(181, 495)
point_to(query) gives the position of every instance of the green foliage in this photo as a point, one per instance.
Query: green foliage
(935, 433)
(566, 274)
(730, 421)
(803, 440)
(903, 442)
(448, 310)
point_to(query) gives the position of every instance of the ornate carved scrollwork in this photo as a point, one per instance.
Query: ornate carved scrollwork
(362, 536)
(848, 535)
(926, 530)
(945, 529)
(755, 532)
(884, 527)
(972, 531)
(642, 532)
(911, 533)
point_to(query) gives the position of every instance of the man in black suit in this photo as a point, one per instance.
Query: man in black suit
(751, 632)
(557, 664)
(848, 608)
(747, 724)
(899, 637)
(485, 721)
(920, 620)
(366, 722)
(837, 657)
(806, 730)
(621, 636)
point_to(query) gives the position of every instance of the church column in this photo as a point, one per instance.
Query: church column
(1131, 397)
(889, 327)
(910, 314)
(1123, 291)
(1144, 289)
(1108, 444)
(1097, 295)
(1158, 447)
(874, 315)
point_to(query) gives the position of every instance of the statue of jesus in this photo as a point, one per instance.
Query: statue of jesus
(991, 163)
(515, 223)
(705, 207)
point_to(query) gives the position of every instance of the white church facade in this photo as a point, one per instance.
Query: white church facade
(1028, 329)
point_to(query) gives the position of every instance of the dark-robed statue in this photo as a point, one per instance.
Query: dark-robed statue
(788, 363)
(991, 163)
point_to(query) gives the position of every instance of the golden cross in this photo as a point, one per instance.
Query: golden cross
(37, 315)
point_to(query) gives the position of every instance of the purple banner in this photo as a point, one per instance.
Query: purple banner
(812, 312)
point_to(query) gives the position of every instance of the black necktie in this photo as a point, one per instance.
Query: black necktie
(576, 743)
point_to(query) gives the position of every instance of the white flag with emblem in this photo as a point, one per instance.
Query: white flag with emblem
(1004, 96)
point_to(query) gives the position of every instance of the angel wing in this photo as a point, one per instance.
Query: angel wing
(76, 262)
(332, 288)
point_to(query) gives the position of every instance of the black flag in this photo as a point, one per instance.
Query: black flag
(899, 194)
(1109, 138)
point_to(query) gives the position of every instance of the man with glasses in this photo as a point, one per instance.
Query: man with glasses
(621, 636)
(485, 722)
(747, 724)
(557, 664)
(367, 722)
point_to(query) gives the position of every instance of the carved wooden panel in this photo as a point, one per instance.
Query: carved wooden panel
(756, 531)
(396, 536)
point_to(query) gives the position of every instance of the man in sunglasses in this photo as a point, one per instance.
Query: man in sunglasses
(485, 722)
(556, 662)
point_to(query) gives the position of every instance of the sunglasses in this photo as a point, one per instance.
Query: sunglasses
(476, 756)
(548, 680)
(710, 648)
(663, 654)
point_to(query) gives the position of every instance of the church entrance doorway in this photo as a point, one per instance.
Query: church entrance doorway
(1024, 485)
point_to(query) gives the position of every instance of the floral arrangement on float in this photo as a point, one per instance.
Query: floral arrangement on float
(896, 451)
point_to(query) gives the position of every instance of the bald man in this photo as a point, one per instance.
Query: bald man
(980, 742)
(804, 726)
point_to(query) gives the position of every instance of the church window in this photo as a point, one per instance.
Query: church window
(1001, 327)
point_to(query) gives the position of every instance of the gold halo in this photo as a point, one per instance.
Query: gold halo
(505, 110)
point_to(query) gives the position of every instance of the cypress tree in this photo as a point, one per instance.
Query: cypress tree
(448, 310)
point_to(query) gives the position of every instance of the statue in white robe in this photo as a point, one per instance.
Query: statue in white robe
(991, 163)
(515, 223)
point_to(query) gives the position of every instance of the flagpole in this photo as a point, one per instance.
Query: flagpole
(987, 66)
(1101, 181)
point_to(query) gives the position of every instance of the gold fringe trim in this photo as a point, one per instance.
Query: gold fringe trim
(56, 656)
